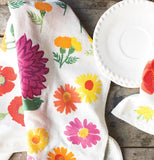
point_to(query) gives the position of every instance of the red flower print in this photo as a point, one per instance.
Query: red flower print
(32, 67)
(83, 133)
(148, 78)
(16, 110)
(7, 75)
(66, 99)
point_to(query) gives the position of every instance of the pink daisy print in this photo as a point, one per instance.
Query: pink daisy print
(84, 133)
(30, 157)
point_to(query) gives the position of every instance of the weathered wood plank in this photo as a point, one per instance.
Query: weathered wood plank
(80, 4)
(4, 16)
(138, 153)
(19, 156)
(1, 41)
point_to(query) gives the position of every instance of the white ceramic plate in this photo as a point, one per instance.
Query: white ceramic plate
(124, 41)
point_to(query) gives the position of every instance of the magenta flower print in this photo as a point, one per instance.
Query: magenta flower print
(84, 133)
(32, 67)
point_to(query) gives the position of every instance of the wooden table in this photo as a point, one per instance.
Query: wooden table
(135, 144)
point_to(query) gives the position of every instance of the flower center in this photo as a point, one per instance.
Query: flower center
(21, 110)
(66, 97)
(59, 157)
(2, 80)
(89, 85)
(36, 139)
(83, 133)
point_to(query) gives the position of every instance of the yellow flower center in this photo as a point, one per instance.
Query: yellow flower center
(89, 85)
(36, 139)
(2, 80)
(83, 133)
(66, 97)
(59, 157)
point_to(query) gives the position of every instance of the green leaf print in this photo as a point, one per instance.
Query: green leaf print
(32, 104)
(36, 18)
(90, 51)
(56, 57)
(16, 4)
(62, 5)
(71, 60)
(3, 115)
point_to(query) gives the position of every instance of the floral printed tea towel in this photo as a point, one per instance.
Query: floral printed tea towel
(62, 92)
(12, 127)
(138, 109)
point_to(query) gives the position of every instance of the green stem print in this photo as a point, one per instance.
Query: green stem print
(16, 4)
(36, 19)
(62, 5)
(43, 8)
(68, 58)
(12, 30)
(68, 45)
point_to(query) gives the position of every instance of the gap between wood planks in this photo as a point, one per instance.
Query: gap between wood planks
(137, 147)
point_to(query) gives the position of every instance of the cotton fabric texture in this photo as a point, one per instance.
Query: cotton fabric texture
(59, 87)
(138, 109)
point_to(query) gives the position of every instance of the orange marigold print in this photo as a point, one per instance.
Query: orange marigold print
(66, 99)
(68, 45)
(63, 42)
(43, 6)
(61, 154)
(7, 75)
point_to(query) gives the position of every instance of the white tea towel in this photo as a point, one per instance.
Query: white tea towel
(138, 109)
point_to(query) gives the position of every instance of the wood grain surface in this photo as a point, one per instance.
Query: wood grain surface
(135, 144)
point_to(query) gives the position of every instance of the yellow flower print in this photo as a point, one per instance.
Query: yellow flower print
(90, 39)
(4, 45)
(69, 44)
(7, 45)
(37, 140)
(89, 87)
(75, 44)
(146, 112)
(61, 154)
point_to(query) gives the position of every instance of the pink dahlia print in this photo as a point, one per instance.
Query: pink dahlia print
(32, 68)
(84, 133)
